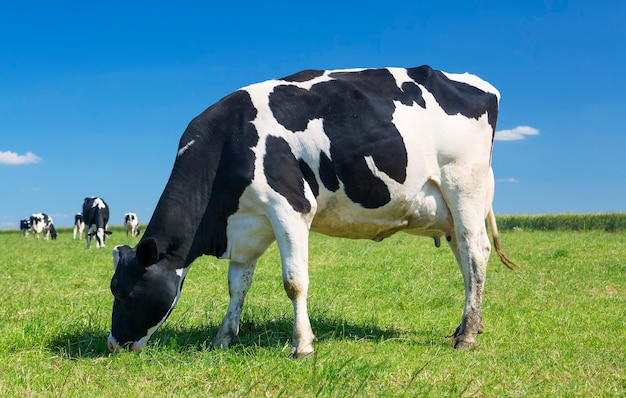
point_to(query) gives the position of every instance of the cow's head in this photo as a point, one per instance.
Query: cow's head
(145, 288)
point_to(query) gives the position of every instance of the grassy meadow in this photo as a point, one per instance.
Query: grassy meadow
(381, 312)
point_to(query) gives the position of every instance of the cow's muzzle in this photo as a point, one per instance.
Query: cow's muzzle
(114, 346)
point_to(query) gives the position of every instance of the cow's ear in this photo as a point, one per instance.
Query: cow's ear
(116, 256)
(118, 252)
(147, 252)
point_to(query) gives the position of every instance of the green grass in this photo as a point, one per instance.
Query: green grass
(381, 312)
(609, 222)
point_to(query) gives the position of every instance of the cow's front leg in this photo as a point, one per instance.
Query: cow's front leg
(239, 281)
(296, 285)
(100, 238)
(294, 253)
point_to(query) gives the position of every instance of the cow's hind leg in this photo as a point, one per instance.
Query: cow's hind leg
(471, 247)
(239, 281)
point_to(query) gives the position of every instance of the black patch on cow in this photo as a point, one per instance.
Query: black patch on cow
(283, 173)
(309, 177)
(235, 170)
(294, 107)
(414, 94)
(303, 76)
(357, 110)
(456, 97)
(327, 173)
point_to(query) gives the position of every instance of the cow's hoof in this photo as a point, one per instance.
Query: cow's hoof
(464, 344)
(295, 353)
(222, 342)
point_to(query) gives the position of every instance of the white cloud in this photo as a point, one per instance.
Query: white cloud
(511, 180)
(517, 133)
(9, 157)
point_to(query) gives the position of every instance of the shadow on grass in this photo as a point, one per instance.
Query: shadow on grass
(91, 343)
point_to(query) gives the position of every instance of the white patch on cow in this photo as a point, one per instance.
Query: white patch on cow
(183, 149)
(116, 256)
(445, 137)
(99, 203)
(310, 141)
(473, 80)
(401, 76)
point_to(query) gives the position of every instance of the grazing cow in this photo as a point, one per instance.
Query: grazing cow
(42, 223)
(24, 227)
(79, 226)
(96, 217)
(359, 153)
(132, 224)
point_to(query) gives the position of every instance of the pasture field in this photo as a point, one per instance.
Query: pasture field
(381, 312)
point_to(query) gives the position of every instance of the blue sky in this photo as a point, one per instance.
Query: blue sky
(94, 96)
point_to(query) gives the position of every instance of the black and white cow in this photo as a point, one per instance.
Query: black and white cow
(79, 226)
(24, 227)
(42, 223)
(359, 153)
(96, 217)
(131, 222)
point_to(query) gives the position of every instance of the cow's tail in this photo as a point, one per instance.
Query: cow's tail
(497, 243)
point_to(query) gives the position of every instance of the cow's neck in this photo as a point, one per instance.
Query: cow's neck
(178, 216)
(215, 164)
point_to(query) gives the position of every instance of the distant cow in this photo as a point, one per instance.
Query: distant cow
(96, 217)
(24, 227)
(359, 153)
(79, 226)
(132, 224)
(42, 223)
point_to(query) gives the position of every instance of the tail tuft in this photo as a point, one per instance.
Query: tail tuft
(497, 243)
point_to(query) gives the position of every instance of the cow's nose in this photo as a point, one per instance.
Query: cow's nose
(113, 347)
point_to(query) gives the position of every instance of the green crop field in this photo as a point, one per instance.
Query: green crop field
(381, 312)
